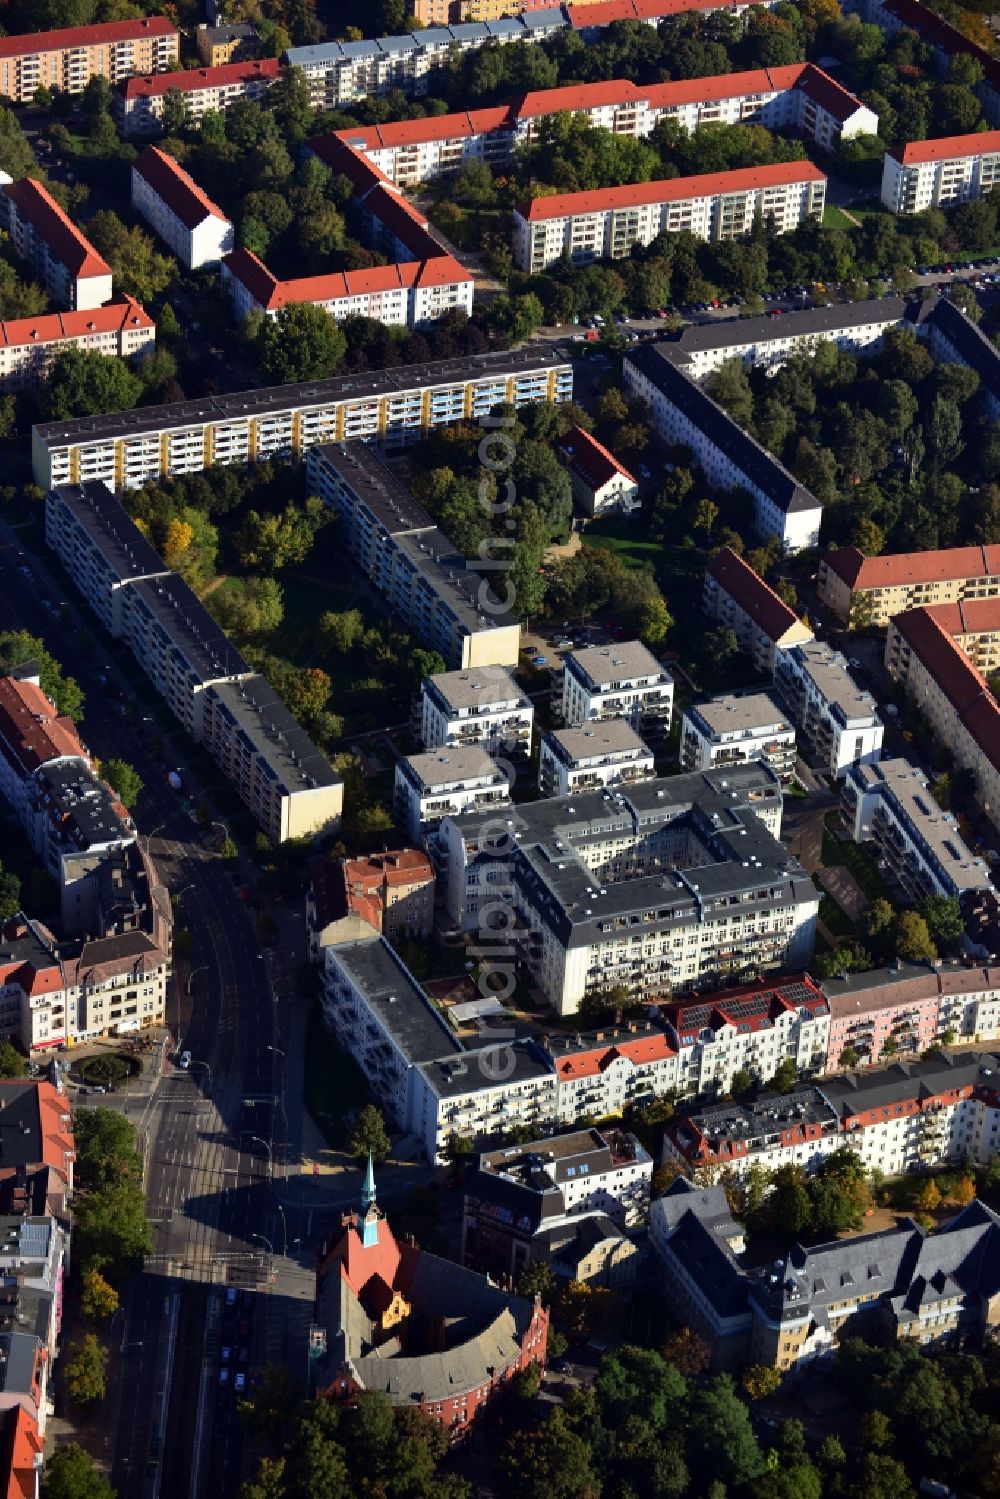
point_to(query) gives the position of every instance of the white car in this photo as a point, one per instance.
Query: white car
(185, 1060)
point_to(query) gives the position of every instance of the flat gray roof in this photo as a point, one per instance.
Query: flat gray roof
(726, 333)
(110, 528)
(362, 470)
(831, 674)
(86, 806)
(488, 1065)
(601, 665)
(308, 394)
(733, 714)
(270, 728)
(439, 767)
(935, 830)
(393, 994)
(196, 634)
(478, 687)
(613, 736)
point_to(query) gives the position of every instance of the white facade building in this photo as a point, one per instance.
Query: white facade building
(63, 259)
(608, 753)
(731, 730)
(176, 209)
(139, 101)
(484, 707)
(28, 345)
(768, 342)
(935, 173)
(837, 719)
(446, 783)
(623, 680)
(737, 598)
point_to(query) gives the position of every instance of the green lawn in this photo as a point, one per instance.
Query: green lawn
(333, 1084)
(861, 864)
(306, 598)
(626, 538)
(836, 218)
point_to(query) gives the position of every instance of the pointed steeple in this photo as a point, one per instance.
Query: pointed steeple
(368, 1226)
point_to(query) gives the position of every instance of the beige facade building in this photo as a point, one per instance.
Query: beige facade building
(867, 591)
(351, 900)
(28, 345)
(67, 60)
(140, 100)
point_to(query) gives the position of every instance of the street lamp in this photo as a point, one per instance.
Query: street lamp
(270, 1252)
(270, 1159)
(152, 835)
(284, 1233)
(194, 974)
(195, 1063)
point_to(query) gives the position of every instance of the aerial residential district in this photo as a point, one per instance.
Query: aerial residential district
(499, 749)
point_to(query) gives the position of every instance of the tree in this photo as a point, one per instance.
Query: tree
(18, 648)
(301, 343)
(721, 1443)
(786, 1076)
(912, 939)
(99, 1299)
(370, 1136)
(929, 1198)
(84, 1370)
(730, 386)
(111, 1228)
(139, 269)
(687, 1352)
(760, 1381)
(551, 1462)
(943, 915)
(881, 1478)
(537, 1280)
(12, 1063)
(848, 1057)
(285, 540)
(70, 1473)
(269, 1483)
(105, 1148)
(123, 779)
(878, 918)
(84, 383)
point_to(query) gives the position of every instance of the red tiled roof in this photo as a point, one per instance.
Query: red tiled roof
(897, 570)
(969, 617)
(677, 189)
(402, 866)
(751, 1008)
(51, 327)
(105, 34)
(590, 460)
(72, 249)
(578, 96)
(432, 128)
(32, 730)
(22, 1445)
(175, 187)
(150, 85)
(606, 11)
(963, 684)
(826, 92)
(271, 294)
(946, 148)
(755, 597)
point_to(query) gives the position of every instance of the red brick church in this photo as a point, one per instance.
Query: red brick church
(423, 1330)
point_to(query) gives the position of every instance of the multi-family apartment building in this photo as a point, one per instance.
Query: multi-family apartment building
(732, 730)
(438, 594)
(406, 294)
(751, 1029)
(533, 1203)
(800, 96)
(61, 257)
(392, 407)
(683, 414)
(606, 753)
(600, 482)
(176, 209)
(233, 42)
(737, 598)
(288, 785)
(621, 680)
(666, 885)
(67, 60)
(945, 41)
(866, 592)
(907, 1008)
(935, 173)
(837, 719)
(890, 805)
(390, 895)
(459, 780)
(75, 823)
(608, 223)
(33, 733)
(974, 625)
(28, 345)
(799, 1128)
(139, 101)
(952, 337)
(769, 342)
(960, 708)
(484, 706)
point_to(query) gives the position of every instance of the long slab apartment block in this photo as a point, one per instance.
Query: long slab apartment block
(799, 97)
(611, 222)
(28, 345)
(67, 60)
(62, 258)
(683, 414)
(738, 598)
(287, 784)
(124, 449)
(867, 592)
(139, 101)
(936, 173)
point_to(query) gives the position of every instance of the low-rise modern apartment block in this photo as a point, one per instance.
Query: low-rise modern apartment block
(525, 1204)
(837, 718)
(67, 60)
(139, 100)
(484, 706)
(607, 753)
(738, 599)
(935, 173)
(800, 96)
(228, 43)
(124, 449)
(407, 294)
(379, 895)
(732, 730)
(891, 805)
(446, 783)
(666, 885)
(769, 342)
(61, 257)
(907, 1008)
(28, 345)
(751, 1029)
(288, 785)
(866, 592)
(176, 209)
(436, 592)
(600, 482)
(683, 414)
(960, 708)
(608, 223)
(621, 680)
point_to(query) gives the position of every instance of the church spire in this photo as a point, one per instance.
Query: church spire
(368, 1187)
(369, 1208)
